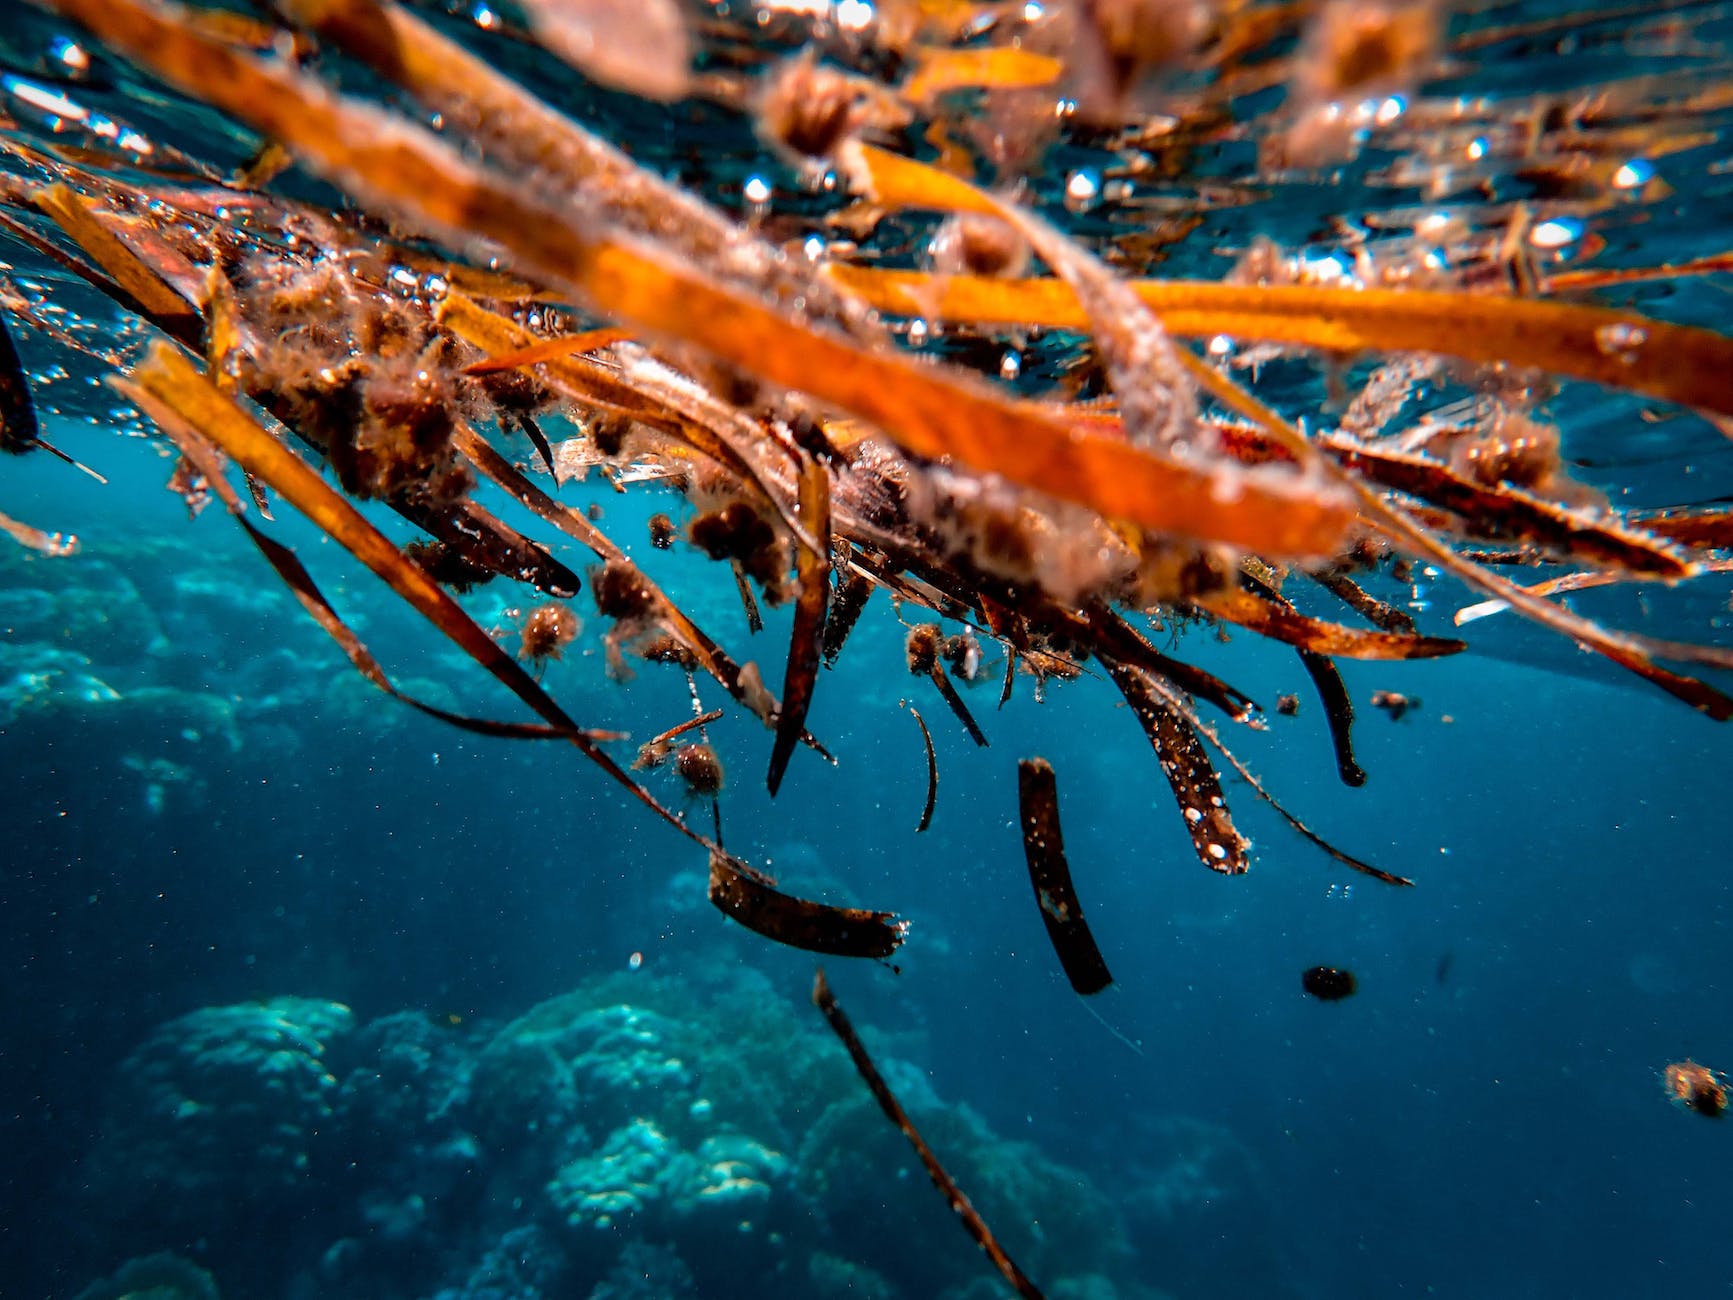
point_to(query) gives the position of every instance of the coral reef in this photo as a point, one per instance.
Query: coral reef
(154, 1277)
(218, 1113)
(628, 1139)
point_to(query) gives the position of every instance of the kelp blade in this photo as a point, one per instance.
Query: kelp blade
(1050, 875)
(800, 922)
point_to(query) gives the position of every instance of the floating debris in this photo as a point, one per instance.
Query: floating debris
(1697, 1087)
(1394, 703)
(547, 630)
(972, 1222)
(932, 772)
(1050, 875)
(751, 898)
(1329, 983)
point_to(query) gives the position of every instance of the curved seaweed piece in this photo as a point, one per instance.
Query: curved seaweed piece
(1196, 786)
(932, 771)
(1050, 876)
(1338, 714)
(750, 898)
(1180, 706)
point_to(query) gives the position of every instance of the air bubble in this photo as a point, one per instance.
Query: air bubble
(1082, 188)
(1621, 341)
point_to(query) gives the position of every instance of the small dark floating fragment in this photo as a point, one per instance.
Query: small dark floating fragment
(1050, 875)
(932, 772)
(750, 898)
(547, 630)
(1338, 713)
(18, 427)
(1329, 983)
(699, 768)
(845, 610)
(967, 1215)
(1287, 705)
(447, 565)
(620, 591)
(923, 647)
(1394, 704)
(1697, 1087)
(661, 532)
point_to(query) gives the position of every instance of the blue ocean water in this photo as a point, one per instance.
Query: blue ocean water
(324, 998)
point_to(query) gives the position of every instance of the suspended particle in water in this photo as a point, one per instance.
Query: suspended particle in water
(1287, 705)
(699, 767)
(1394, 703)
(1329, 983)
(757, 194)
(1696, 1087)
(661, 532)
(1082, 188)
(547, 631)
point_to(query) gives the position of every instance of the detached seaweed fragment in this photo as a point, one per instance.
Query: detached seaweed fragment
(751, 898)
(932, 770)
(1050, 876)
(954, 1196)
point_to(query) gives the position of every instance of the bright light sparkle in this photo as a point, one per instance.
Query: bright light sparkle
(1555, 233)
(854, 15)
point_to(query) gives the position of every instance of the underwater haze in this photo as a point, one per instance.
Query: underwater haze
(310, 994)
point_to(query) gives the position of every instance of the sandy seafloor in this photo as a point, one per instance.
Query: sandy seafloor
(206, 808)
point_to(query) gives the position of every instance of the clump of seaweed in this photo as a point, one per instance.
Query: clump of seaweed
(1090, 462)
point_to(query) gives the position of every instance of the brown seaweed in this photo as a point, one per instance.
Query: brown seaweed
(966, 1213)
(932, 771)
(176, 390)
(751, 898)
(1280, 621)
(806, 640)
(1186, 765)
(52, 544)
(1050, 876)
(1338, 714)
(852, 592)
(19, 430)
(1181, 708)
(923, 647)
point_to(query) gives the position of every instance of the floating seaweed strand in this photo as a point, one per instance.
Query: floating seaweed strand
(710, 331)
(1285, 514)
(966, 1213)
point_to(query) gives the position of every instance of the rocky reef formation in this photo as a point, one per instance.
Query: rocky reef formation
(638, 1137)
